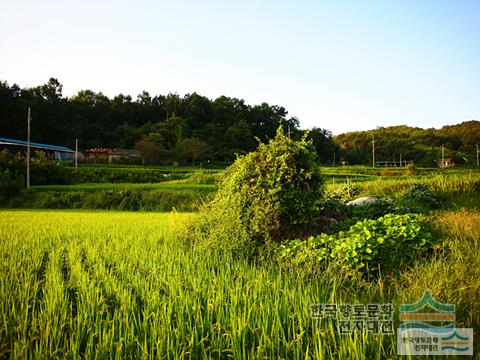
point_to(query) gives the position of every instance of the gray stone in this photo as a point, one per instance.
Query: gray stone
(364, 200)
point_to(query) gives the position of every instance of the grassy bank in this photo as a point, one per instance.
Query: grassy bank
(133, 197)
(466, 182)
(133, 174)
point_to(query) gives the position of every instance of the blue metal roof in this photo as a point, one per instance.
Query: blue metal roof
(37, 145)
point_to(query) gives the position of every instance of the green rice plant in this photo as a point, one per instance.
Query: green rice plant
(92, 284)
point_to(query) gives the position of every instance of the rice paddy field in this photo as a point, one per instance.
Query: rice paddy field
(89, 284)
(82, 284)
(112, 284)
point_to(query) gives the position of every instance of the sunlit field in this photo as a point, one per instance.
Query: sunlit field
(117, 284)
(171, 187)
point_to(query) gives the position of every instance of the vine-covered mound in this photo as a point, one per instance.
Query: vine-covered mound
(266, 196)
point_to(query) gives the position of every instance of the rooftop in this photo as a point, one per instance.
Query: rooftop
(6, 141)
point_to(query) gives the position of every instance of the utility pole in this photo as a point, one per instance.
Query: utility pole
(373, 151)
(28, 149)
(443, 156)
(334, 158)
(76, 153)
(289, 131)
(478, 162)
(400, 160)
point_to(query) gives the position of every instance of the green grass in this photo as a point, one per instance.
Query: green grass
(165, 168)
(131, 174)
(122, 285)
(460, 188)
(188, 199)
(98, 284)
(171, 185)
(466, 182)
(377, 171)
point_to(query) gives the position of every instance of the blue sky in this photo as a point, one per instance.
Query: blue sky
(340, 65)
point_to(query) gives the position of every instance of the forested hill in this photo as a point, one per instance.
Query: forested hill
(411, 143)
(166, 128)
(161, 126)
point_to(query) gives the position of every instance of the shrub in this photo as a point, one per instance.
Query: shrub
(388, 172)
(43, 170)
(116, 199)
(411, 169)
(131, 200)
(11, 184)
(386, 243)
(58, 200)
(265, 196)
(373, 210)
(202, 177)
(109, 174)
(163, 200)
(333, 208)
(421, 198)
(314, 251)
(343, 193)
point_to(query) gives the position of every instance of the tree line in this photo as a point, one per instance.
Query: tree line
(423, 146)
(163, 128)
(191, 128)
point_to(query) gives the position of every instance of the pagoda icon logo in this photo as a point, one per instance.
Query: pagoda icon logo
(427, 327)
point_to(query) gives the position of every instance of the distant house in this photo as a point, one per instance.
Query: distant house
(120, 155)
(97, 153)
(113, 155)
(445, 163)
(394, 163)
(59, 153)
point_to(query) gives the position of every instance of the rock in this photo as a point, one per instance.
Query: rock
(364, 200)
